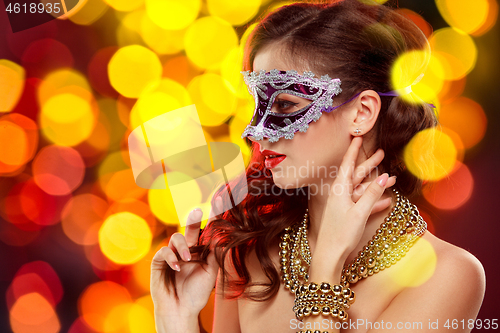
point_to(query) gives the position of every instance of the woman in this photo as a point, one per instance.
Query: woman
(313, 250)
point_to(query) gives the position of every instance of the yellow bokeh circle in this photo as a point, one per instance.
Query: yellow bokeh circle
(130, 318)
(231, 72)
(125, 238)
(431, 84)
(208, 41)
(11, 84)
(125, 6)
(141, 319)
(132, 69)
(173, 14)
(417, 267)
(205, 90)
(64, 80)
(215, 93)
(456, 51)
(168, 95)
(128, 31)
(236, 12)
(162, 41)
(407, 71)
(66, 128)
(162, 205)
(465, 15)
(430, 154)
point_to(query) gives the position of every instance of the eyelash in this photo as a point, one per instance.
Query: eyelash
(282, 104)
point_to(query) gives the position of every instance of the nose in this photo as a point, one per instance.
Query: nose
(258, 143)
(253, 139)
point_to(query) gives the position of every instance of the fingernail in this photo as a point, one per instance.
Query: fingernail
(382, 180)
(194, 213)
(186, 255)
(176, 267)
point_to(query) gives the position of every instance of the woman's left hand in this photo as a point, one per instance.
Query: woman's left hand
(346, 212)
(361, 172)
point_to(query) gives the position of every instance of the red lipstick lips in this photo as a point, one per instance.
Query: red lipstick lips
(272, 158)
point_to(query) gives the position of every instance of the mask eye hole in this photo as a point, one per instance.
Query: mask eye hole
(286, 103)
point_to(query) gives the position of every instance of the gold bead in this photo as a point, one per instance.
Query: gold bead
(325, 287)
(307, 311)
(370, 262)
(315, 310)
(362, 271)
(387, 247)
(342, 315)
(337, 289)
(352, 297)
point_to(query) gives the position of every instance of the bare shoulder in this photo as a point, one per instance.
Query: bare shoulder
(446, 279)
(455, 263)
(439, 282)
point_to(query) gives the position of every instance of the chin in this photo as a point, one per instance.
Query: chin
(288, 183)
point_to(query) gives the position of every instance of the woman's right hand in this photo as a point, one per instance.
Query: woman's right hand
(194, 282)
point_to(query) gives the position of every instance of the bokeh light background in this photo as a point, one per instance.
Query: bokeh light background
(77, 234)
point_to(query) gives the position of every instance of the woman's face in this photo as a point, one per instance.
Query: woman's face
(312, 157)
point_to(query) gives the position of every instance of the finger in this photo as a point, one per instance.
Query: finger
(178, 242)
(381, 205)
(349, 160)
(217, 209)
(372, 194)
(364, 169)
(361, 188)
(193, 226)
(165, 254)
(218, 204)
(213, 265)
(390, 182)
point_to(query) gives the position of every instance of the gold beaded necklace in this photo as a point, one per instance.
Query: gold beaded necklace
(400, 229)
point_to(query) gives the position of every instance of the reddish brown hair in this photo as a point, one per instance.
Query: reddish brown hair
(350, 40)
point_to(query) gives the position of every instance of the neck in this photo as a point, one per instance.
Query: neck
(317, 206)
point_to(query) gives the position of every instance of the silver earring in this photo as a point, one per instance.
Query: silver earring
(357, 131)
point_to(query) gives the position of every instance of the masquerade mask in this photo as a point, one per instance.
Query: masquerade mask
(266, 86)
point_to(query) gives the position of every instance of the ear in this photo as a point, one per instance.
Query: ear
(367, 108)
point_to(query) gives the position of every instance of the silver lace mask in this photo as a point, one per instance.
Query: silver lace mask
(266, 86)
